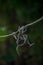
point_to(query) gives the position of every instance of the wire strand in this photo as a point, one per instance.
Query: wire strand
(22, 28)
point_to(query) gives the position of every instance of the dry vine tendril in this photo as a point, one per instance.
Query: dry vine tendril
(22, 28)
(21, 39)
(21, 36)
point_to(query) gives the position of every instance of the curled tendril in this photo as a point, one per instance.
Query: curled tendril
(21, 37)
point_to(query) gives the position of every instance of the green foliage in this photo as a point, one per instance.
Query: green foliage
(2, 32)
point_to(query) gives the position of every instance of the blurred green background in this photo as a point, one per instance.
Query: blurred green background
(15, 13)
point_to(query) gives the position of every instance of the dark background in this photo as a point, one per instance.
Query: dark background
(15, 13)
